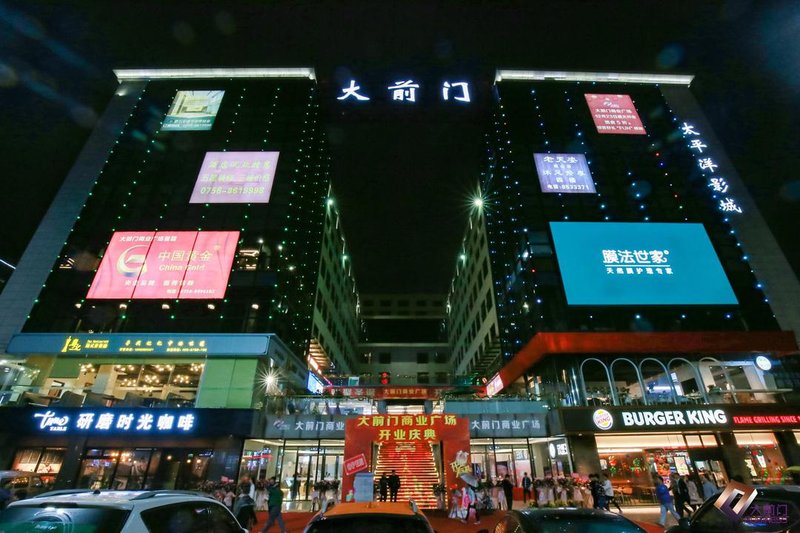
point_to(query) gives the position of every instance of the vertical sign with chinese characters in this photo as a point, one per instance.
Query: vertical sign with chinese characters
(235, 178)
(716, 180)
(567, 173)
(615, 113)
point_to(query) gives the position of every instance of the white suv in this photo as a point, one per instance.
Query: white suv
(87, 511)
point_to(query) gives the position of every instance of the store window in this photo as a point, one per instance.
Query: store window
(43, 461)
(762, 457)
(305, 465)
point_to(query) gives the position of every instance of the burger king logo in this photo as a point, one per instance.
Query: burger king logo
(603, 419)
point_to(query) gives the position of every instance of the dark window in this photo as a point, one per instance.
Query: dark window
(422, 358)
(440, 357)
(190, 517)
(441, 378)
(422, 303)
(423, 378)
(222, 520)
(402, 303)
(385, 358)
(386, 303)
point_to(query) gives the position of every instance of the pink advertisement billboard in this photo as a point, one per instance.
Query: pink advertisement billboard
(235, 178)
(614, 113)
(165, 265)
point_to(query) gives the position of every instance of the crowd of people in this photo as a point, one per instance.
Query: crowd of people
(682, 497)
(241, 500)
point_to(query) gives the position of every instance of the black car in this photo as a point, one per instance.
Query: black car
(776, 509)
(564, 520)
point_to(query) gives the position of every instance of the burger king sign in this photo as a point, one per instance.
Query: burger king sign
(603, 419)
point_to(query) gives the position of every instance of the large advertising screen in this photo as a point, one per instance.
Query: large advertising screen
(193, 111)
(142, 265)
(564, 173)
(639, 263)
(235, 178)
(614, 113)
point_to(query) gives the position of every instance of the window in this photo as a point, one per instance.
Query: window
(422, 358)
(190, 517)
(441, 378)
(423, 378)
(222, 521)
(402, 303)
(385, 358)
(440, 358)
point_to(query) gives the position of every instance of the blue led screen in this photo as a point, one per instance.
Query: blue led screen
(619, 263)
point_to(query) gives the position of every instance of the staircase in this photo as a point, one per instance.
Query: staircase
(416, 467)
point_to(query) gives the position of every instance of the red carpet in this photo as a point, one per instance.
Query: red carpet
(296, 522)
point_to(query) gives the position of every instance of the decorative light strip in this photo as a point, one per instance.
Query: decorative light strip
(606, 77)
(207, 73)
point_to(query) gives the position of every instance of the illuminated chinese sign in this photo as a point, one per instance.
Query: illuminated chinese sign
(305, 427)
(406, 428)
(494, 386)
(566, 173)
(619, 263)
(165, 264)
(139, 343)
(115, 421)
(407, 90)
(614, 113)
(235, 178)
(193, 111)
(389, 392)
(513, 425)
(717, 182)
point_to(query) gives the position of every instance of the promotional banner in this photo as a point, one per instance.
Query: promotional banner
(165, 265)
(566, 173)
(235, 178)
(618, 263)
(614, 113)
(193, 111)
(305, 427)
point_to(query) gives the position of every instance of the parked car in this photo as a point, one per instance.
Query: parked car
(564, 520)
(776, 509)
(369, 517)
(21, 484)
(87, 511)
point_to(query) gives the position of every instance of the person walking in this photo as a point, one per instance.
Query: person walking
(508, 488)
(680, 492)
(394, 486)
(526, 488)
(598, 494)
(383, 487)
(244, 508)
(694, 494)
(665, 501)
(501, 494)
(468, 502)
(274, 505)
(709, 487)
(608, 492)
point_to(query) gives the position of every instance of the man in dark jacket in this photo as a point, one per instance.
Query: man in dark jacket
(383, 487)
(394, 486)
(680, 492)
(508, 488)
(274, 503)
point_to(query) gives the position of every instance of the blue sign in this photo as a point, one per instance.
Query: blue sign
(186, 345)
(567, 173)
(615, 263)
(314, 384)
(114, 421)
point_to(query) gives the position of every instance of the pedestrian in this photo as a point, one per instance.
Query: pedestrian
(383, 487)
(295, 486)
(694, 494)
(468, 502)
(508, 489)
(455, 504)
(526, 488)
(244, 508)
(274, 505)
(501, 494)
(608, 492)
(680, 492)
(709, 487)
(598, 494)
(228, 498)
(251, 487)
(394, 486)
(665, 501)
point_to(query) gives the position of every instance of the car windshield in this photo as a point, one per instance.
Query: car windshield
(564, 523)
(47, 519)
(369, 524)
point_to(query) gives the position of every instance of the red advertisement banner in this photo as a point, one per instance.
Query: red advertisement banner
(615, 113)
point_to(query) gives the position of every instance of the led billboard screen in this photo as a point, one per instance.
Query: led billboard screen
(614, 113)
(235, 178)
(564, 173)
(618, 263)
(193, 111)
(142, 265)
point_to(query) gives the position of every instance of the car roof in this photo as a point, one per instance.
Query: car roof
(122, 499)
(350, 508)
(567, 511)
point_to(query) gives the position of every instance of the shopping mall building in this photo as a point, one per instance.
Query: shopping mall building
(187, 309)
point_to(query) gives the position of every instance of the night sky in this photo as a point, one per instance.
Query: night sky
(402, 175)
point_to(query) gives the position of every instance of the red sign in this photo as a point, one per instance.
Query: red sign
(165, 265)
(614, 113)
(764, 420)
(355, 464)
(390, 392)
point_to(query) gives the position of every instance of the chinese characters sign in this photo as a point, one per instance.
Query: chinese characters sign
(193, 111)
(115, 421)
(614, 113)
(140, 343)
(612, 263)
(513, 425)
(564, 173)
(407, 428)
(389, 392)
(306, 427)
(355, 464)
(716, 181)
(235, 178)
(407, 91)
(165, 264)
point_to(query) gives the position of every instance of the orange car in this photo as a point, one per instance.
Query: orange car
(385, 517)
